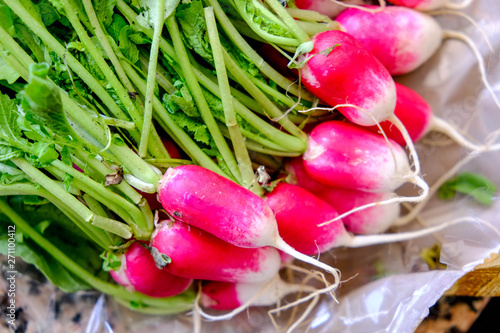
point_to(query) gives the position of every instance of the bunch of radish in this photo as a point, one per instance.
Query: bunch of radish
(345, 183)
(211, 150)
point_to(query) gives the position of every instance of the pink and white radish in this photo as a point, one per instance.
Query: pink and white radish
(416, 114)
(138, 272)
(197, 254)
(219, 295)
(206, 200)
(401, 38)
(341, 154)
(297, 218)
(431, 4)
(329, 8)
(237, 297)
(394, 31)
(344, 74)
(340, 70)
(372, 220)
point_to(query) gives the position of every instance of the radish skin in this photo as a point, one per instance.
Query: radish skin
(229, 296)
(416, 115)
(393, 34)
(298, 230)
(326, 7)
(334, 71)
(341, 154)
(138, 272)
(431, 4)
(372, 220)
(197, 254)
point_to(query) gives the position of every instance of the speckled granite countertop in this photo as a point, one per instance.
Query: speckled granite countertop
(40, 308)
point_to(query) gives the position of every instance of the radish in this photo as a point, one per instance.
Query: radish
(138, 272)
(394, 31)
(393, 34)
(219, 295)
(329, 8)
(431, 4)
(237, 297)
(340, 70)
(300, 230)
(416, 114)
(344, 74)
(372, 220)
(341, 154)
(305, 228)
(204, 199)
(197, 254)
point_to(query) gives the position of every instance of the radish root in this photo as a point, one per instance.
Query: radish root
(481, 64)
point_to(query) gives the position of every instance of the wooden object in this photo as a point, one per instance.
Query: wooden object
(483, 281)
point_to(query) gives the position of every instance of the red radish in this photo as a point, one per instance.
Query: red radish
(138, 272)
(296, 218)
(204, 199)
(416, 115)
(341, 154)
(413, 111)
(196, 254)
(372, 220)
(229, 296)
(431, 4)
(171, 148)
(400, 37)
(296, 209)
(329, 8)
(340, 70)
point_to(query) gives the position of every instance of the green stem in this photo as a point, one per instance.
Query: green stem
(189, 146)
(80, 209)
(176, 304)
(97, 235)
(60, 50)
(200, 101)
(291, 23)
(254, 57)
(240, 151)
(118, 204)
(262, 12)
(261, 98)
(151, 79)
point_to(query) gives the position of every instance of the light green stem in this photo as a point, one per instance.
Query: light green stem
(240, 151)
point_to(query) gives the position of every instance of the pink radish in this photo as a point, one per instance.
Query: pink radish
(344, 74)
(329, 8)
(296, 218)
(138, 272)
(413, 111)
(372, 220)
(299, 230)
(431, 4)
(401, 38)
(341, 154)
(340, 70)
(416, 114)
(237, 297)
(229, 296)
(204, 199)
(394, 31)
(197, 254)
